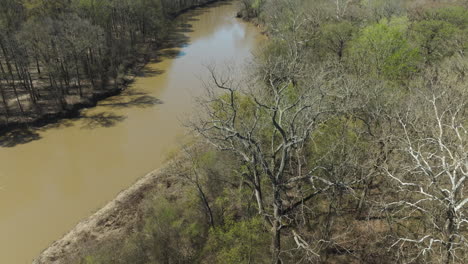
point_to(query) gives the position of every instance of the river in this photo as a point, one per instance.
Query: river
(70, 169)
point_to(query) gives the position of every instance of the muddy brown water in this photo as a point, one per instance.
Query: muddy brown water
(69, 170)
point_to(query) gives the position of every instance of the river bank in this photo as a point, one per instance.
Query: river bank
(77, 165)
(111, 88)
(116, 219)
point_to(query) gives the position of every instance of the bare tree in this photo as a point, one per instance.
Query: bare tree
(341, 8)
(267, 122)
(431, 171)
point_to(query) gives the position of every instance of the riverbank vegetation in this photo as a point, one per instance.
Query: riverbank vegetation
(346, 142)
(55, 55)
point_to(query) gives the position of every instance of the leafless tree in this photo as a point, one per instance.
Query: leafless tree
(431, 171)
(267, 122)
(341, 7)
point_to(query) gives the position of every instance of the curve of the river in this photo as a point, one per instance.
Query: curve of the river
(74, 167)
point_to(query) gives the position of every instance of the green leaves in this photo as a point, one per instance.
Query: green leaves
(436, 38)
(335, 37)
(384, 50)
(455, 15)
(442, 32)
(239, 242)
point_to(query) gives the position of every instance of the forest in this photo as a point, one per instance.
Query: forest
(346, 142)
(57, 54)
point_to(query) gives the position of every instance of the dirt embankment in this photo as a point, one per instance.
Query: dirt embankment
(119, 217)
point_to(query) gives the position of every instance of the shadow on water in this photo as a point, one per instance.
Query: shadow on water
(17, 137)
(141, 101)
(184, 28)
(171, 54)
(176, 40)
(147, 72)
(130, 99)
(104, 119)
(170, 49)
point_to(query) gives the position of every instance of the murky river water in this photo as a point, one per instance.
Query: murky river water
(75, 167)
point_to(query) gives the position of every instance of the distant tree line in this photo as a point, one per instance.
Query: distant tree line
(56, 53)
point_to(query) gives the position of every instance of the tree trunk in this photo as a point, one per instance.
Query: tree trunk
(38, 68)
(22, 76)
(209, 212)
(276, 229)
(89, 72)
(5, 103)
(78, 76)
(66, 78)
(451, 234)
(10, 70)
(54, 90)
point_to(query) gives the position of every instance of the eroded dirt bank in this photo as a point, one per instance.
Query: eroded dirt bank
(119, 217)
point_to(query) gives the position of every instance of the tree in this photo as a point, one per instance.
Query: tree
(382, 9)
(436, 39)
(455, 15)
(252, 8)
(384, 50)
(335, 37)
(430, 172)
(267, 123)
(238, 242)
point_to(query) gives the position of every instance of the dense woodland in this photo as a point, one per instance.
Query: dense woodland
(55, 54)
(346, 142)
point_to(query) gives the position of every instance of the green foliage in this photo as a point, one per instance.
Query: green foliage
(52, 8)
(384, 50)
(238, 242)
(436, 39)
(335, 37)
(96, 11)
(366, 93)
(379, 9)
(243, 104)
(252, 8)
(172, 232)
(336, 139)
(12, 13)
(455, 15)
